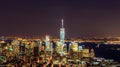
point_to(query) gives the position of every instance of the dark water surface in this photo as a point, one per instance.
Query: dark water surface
(106, 51)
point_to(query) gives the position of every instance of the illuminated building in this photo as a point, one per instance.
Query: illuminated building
(15, 45)
(22, 49)
(47, 43)
(43, 46)
(92, 54)
(62, 36)
(85, 53)
(74, 46)
(3, 59)
(58, 47)
(62, 33)
(40, 45)
(80, 48)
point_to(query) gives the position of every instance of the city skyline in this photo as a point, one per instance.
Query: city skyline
(38, 18)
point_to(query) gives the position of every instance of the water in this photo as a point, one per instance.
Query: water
(105, 50)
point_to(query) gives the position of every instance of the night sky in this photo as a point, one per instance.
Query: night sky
(85, 18)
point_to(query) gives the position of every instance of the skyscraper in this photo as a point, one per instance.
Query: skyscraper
(62, 32)
(62, 36)
(21, 50)
(47, 43)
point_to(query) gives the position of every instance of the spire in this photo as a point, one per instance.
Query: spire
(62, 23)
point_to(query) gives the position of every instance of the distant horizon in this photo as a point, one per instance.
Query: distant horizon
(58, 37)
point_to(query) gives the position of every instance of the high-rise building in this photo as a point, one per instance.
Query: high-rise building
(40, 45)
(36, 51)
(21, 49)
(62, 36)
(62, 32)
(47, 43)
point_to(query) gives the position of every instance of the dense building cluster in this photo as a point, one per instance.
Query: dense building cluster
(29, 52)
(22, 52)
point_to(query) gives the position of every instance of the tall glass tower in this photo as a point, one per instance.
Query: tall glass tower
(62, 36)
(47, 42)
